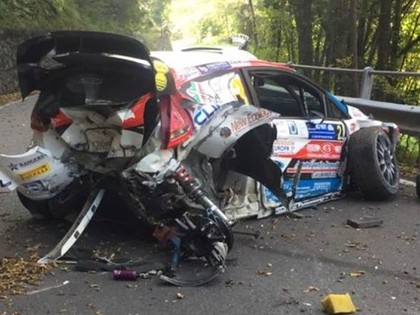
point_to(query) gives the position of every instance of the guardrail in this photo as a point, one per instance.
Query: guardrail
(406, 116)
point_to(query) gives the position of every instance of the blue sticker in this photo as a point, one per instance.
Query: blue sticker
(204, 113)
(323, 131)
(305, 189)
(5, 184)
(211, 67)
(293, 130)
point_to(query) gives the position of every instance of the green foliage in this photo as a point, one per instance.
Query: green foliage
(408, 151)
(133, 17)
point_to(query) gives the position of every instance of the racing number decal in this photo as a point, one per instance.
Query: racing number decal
(326, 131)
(340, 132)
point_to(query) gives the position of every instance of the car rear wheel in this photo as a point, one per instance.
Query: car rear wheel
(69, 201)
(373, 165)
(39, 209)
(418, 185)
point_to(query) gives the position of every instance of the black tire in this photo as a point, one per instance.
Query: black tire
(373, 165)
(418, 185)
(70, 200)
(39, 209)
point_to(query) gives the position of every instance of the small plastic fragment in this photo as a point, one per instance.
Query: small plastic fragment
(338, 304)
(365, 222)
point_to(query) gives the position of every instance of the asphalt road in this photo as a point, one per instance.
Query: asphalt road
(288, 269)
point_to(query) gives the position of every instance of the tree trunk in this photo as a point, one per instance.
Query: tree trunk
(254, 23)
(383, 47)
(303, 18)
(395, 35)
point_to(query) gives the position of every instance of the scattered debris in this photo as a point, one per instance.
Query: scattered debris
(95, 286)
(48, 288)
(16, 274)
(338, 304)
(356, 245)
(264, 273)
(124, 274)
(357, 274)
(8, 98)
(254, 234)
(365, 222)
(311, 288)
(180, 296)
(294, 215)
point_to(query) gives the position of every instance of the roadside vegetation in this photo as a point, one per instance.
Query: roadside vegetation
(384, 35)
(130, 17)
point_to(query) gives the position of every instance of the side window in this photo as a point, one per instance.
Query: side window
(314, 103)
(286, 94)
(334, 111)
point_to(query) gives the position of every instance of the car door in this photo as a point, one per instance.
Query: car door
(310, 136)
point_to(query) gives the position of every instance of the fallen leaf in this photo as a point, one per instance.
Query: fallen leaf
(311, 288)
(180, 296)
(17, 273)
(357, 274)
(95, 286)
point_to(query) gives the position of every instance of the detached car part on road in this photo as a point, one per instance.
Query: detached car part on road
(194, 140)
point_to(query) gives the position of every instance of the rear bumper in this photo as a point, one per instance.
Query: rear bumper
(35, 173)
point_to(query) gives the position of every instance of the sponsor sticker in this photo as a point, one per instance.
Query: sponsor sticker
(36, 172)
(284, 146)
(321, 150)
(314, 166)
(161, 81)
(322, 131)
(287, 128)
(250, 119)
(202, 115)
(160, 66)
(211, 67)
(19, 165)
(293, 130)
(5, 184)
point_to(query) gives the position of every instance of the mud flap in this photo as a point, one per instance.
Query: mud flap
(83, 219)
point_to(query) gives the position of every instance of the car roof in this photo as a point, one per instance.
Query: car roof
(193, 58)
(197, 56)
(192, 64)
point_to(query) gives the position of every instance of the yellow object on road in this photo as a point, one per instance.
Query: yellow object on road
(338, 304)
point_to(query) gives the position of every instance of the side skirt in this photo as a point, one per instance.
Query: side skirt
(72, 235)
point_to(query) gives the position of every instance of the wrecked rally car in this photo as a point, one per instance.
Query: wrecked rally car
(194, 140)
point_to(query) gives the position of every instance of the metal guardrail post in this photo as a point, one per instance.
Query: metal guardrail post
(367, 83)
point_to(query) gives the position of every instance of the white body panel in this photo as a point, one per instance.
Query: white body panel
(36, 173)
(227, 126)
